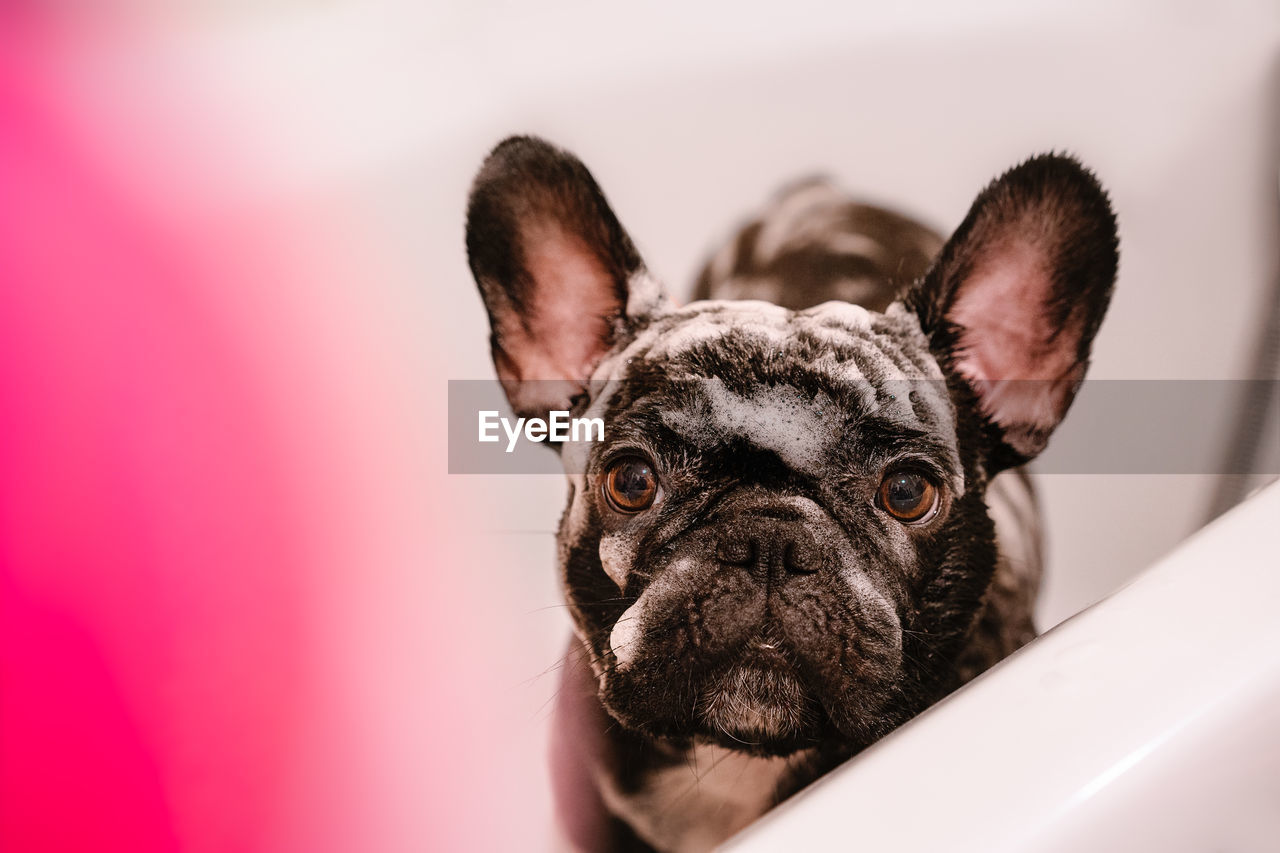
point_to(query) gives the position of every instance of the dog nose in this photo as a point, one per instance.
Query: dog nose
(768, 546)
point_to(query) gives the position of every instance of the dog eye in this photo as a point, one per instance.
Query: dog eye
(908, 496)
(630, 484)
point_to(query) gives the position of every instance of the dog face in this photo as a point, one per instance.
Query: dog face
(782, 541)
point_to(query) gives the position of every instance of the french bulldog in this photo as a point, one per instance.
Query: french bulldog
(807, 520)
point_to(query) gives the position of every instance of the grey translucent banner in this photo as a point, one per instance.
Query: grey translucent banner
(1113, 427)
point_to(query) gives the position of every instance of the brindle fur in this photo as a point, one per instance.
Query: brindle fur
(769, 425)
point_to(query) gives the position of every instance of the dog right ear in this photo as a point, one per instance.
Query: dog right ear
(556, 271)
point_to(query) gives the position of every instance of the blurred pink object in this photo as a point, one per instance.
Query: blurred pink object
(148, 557)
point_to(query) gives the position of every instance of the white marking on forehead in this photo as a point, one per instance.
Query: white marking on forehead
(688, 335)
(793, 425)
(846, 313)
(673, 334)
(763, 321)
(845, 374)
(890, 346)
(741, 310)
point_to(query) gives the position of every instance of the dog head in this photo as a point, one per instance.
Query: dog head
(782, 540)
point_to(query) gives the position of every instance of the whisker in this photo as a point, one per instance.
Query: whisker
(737, 780)
(516, 531)
(696, 784)
(604, 602)
(730, 735)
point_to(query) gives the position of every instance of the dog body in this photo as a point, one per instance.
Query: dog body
(796, 534)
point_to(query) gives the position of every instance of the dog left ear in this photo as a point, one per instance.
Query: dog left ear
(1013, 301)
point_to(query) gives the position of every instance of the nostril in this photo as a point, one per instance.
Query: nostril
(801, 555)
(768, 547)
(736, 550)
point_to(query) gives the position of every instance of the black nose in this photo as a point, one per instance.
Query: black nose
(768, 547)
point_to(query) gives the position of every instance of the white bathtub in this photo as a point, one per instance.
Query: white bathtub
(1146, 722)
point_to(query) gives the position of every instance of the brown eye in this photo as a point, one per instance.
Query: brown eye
(630, 484)
(908, 496)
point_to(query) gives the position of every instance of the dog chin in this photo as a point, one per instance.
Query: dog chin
(758, 705)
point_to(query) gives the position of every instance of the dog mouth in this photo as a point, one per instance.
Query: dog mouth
(758, 703)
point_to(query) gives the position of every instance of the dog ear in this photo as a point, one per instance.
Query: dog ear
(555, 269)
(1013, 301)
